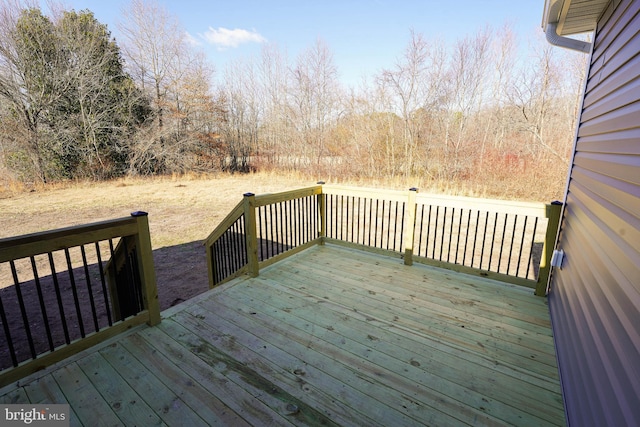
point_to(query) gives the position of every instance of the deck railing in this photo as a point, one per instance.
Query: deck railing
(227, 247)
(508, 241)
(262, 229)
(65, 290)
(501, 239)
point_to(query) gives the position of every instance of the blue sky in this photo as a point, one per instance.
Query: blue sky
(365, 36)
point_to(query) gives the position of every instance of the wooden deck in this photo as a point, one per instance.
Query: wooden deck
(330, 336)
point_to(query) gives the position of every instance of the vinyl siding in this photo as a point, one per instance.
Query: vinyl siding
(595, 297)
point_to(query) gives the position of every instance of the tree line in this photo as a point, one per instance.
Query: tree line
(76, 103)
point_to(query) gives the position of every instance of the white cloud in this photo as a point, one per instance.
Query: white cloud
(191, 40)
(226, 38)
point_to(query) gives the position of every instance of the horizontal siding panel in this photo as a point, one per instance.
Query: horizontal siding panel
(599, 288)
(607, 34)
(622, 118)
(585, 408)
(595, 297)
(617, 166)
(628, 94)
(607, 13)
(622, 194)
(619, 52)
(612, 42)
(623, 75)
(573, 376)
(608, 265)
(625, 226)
(619, 142)
(594, 344)
(611, 14)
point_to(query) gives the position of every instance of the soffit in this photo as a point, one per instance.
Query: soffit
(573, 16)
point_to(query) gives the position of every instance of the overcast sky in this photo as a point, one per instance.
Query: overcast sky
(365, 36)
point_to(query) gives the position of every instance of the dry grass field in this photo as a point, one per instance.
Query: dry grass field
(182, 212)
(181, 209)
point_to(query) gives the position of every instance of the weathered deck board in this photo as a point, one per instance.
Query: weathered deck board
(372, 387)
(445, 314)
(376, 349)
(171, 408)
(183, 372)
(251, 382)
(83, 397)
(46, 390)
(359, 328)
(117, 393)
(353, 390)
(330, 336)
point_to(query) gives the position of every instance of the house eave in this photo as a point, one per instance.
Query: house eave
(573, 16)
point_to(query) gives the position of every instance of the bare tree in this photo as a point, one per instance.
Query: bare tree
(533, 94)
(467, 79)
(167, 68)
(414, 88)
(152, 43)
(504, 59)
(315, 100)
(275, 142)
(365, 135)
(243, 113)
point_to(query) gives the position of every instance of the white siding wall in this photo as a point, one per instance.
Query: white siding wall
(595, 298)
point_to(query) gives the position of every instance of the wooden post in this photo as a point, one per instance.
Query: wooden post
(322, 208)
(553, 215)
(251, 233)
(410, 226)
(147, 269)
(210, 266)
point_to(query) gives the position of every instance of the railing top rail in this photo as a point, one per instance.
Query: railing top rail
(268, 199)
(374, 193)
(53, 240)
(260, 200)
(488, 205)
(225, 224)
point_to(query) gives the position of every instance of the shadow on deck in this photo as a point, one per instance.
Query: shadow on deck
(329, 336)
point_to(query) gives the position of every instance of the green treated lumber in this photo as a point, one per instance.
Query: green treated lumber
(49, 241)
(269, 199)
(251, 233)
(553, 211)
(231, 217)
(322, 209)
(147, 272)
(10, 375)
(410, 226)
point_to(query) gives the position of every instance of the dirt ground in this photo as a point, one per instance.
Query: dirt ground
(182, 213)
